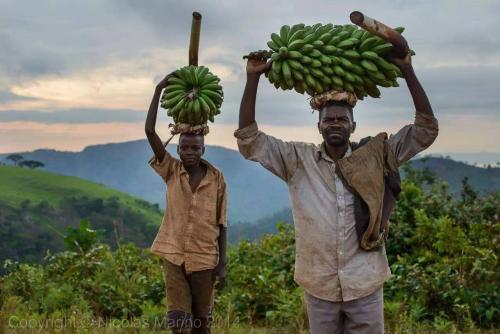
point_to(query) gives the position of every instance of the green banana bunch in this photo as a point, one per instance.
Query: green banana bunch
(315, 59)
(193, 95)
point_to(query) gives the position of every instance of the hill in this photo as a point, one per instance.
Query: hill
(254, 193)
(453, 172)
(36, 207)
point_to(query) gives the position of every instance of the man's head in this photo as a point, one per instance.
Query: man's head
(190, 149)
(336, 123)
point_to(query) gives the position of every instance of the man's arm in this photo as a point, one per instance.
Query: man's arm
(414, 138)
(420, 100)
(277, 156)
(256, 66)
(153, 138)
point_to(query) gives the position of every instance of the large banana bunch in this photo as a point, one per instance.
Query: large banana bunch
(315, 59)
(193, 95)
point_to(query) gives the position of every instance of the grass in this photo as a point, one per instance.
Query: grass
(20, 184)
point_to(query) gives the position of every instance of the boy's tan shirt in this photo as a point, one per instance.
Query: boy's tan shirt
(190, 228)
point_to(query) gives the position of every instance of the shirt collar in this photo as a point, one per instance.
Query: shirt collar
(322, 154)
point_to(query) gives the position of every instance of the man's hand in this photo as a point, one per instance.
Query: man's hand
(257, 63)
(220, 274)
(164, 82)
(403, 63)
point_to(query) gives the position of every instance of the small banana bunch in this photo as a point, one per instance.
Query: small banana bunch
(315, 59)
(193, 95)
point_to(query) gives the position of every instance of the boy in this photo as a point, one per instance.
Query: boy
(192, 236)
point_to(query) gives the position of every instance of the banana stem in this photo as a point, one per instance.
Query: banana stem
(194, 41)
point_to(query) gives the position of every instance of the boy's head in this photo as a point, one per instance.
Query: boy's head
(336, 122)
(190, 148)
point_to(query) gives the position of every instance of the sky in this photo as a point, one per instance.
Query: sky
(77, 73)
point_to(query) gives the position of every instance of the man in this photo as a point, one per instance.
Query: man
(192, 236)
(341, 194)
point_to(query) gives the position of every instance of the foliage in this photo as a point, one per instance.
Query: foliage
(443, 254)
(15, 158)
(81, 239)
(33, 164)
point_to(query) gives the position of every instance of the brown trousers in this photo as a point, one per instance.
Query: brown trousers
(189, 299)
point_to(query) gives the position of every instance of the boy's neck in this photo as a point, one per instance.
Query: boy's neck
(192, 169)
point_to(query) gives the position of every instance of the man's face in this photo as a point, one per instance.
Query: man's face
(336, 125)
(190, 149)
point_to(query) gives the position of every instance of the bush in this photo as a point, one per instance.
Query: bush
(443, 251)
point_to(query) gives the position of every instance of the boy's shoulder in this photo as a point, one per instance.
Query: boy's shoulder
(213, 169)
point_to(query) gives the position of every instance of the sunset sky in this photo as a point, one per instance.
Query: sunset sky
(75, 73)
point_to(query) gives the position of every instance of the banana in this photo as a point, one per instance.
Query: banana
(276, 66)
(285, 68)
(353, 54)
(318, 58)
(295, 65)
(273, 46)
(306, 48)
(295, 36)
(296, 45)
(367, 44)
(284, 33)
(277, 40)
(368, 65)
(383, 48)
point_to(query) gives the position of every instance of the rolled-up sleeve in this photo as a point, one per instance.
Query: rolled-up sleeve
(277, 156)
(165, 167)
(414, 138)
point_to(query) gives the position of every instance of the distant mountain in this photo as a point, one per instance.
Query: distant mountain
(453, 172)
(37, 206)
(473, 158)
(254, 193)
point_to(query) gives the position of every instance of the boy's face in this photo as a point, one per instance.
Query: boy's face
(190, 149)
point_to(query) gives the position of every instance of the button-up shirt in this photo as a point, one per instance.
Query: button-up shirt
(329, 263)
(191, 223)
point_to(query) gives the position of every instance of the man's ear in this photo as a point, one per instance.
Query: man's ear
(353, 127)
(203, 150)
(177, 149)
(319, 129)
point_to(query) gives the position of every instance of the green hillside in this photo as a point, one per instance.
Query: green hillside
(21, 184)
(37, 208)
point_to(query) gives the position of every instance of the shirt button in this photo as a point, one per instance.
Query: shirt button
(340, 252)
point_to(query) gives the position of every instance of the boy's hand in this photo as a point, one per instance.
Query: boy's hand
(220, 274)
(257, 63)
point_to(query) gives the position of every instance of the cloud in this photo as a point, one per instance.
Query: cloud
(6, 96)
(73, 116)
(89, 62)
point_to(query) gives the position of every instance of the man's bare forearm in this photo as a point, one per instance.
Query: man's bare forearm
(153, 138)
(247, 107)
(420, 100)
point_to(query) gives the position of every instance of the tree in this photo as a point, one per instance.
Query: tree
(15, 158)
(31, 164)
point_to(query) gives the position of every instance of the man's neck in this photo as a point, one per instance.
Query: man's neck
(336, 152)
